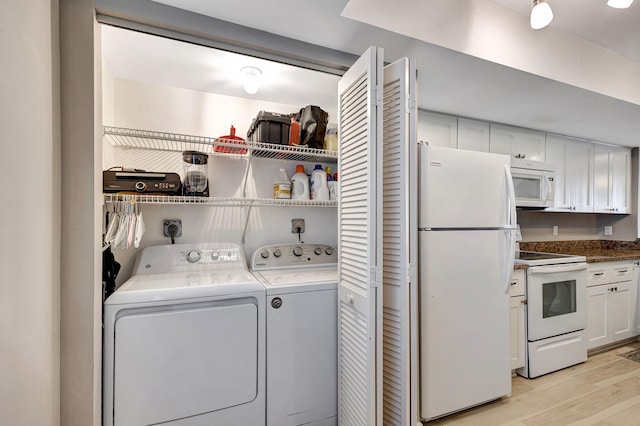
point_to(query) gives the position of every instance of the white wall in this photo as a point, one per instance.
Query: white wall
(162, 108)
(80, 275)
(30, 214)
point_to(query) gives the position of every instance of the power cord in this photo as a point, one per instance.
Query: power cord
(299, 229)
(172, 230)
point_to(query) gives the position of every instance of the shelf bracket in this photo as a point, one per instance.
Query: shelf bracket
(246, 223)
(246, 178)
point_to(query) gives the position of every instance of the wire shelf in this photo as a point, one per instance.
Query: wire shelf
(147, 139)
(217, 201)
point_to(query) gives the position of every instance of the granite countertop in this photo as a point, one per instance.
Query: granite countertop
(593, 250)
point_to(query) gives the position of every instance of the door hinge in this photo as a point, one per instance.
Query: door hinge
(376, 276)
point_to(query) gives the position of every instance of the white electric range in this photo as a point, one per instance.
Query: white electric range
(556, 311)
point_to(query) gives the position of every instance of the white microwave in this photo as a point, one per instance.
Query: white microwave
(533, 183)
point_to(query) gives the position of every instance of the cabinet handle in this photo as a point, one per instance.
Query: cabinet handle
(598, 274)
(524, 302)
(514, 283)
(623, 271)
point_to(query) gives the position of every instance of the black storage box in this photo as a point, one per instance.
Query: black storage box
(270, 127)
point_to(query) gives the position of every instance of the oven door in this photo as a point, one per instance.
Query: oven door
(556, 300)
(533, 188)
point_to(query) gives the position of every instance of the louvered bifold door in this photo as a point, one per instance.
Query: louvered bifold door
(399, 224)
(359, 240)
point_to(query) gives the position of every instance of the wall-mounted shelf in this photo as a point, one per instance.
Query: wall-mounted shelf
(229, 148)
(216, 201)
(147, 139)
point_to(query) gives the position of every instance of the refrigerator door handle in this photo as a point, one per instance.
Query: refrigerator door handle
(510, 260)
(512, 197)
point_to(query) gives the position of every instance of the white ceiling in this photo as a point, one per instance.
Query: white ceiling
(592, 20)
(450, 81)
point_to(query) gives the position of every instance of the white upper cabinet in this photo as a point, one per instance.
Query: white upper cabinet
(473, 135)
(438, 129)
(573, 163)
(517, 142)
(612, 179)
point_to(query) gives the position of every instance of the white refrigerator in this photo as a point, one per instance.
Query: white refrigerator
(466, 229)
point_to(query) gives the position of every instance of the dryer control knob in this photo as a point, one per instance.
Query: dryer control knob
(317, 251)
(277, 253)
(264, 254)
(215, 255)
(297, 251)
(329, 251)
(276, 303)
(193, 256)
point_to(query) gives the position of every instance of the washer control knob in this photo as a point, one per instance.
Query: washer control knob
(276, 303)
(317, 251)
(141, 186)
(215, 255)
(277, 253)
(297, 251)
(193, 256)
(264, 254)
(329, 251)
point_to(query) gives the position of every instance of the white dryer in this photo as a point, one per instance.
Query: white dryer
(184, 340)
(301, 284)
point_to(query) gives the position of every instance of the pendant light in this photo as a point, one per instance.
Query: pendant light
(541, 14)
(619, 4)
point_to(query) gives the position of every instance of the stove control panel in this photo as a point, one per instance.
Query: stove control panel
(278, 256)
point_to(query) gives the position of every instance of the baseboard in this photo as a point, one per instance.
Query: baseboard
(605, 348)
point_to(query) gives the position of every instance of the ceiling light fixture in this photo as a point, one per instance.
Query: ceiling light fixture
(541, 14)
(251, 79)
(619, 4)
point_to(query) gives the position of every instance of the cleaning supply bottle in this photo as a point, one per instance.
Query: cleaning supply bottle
(282, 185)
(319, 188)
(300, 184)
(329, 176)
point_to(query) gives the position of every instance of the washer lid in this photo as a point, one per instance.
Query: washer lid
(307, 279)
(172, 286)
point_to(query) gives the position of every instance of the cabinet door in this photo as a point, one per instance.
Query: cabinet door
(517, 330)
(438, 129)
(519, 143)
(597, 316)
(612, 179)
(622, 304)
(473, 135)
(573, 162)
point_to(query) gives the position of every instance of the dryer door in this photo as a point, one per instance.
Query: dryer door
(186, 361)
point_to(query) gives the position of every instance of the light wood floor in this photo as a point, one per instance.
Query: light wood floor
(603, 391)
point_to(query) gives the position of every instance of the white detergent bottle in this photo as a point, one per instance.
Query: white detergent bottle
(319, 187)
(300, 184)
(282, 185)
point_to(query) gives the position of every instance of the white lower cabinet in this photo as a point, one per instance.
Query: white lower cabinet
(517, 319)
(611, 292)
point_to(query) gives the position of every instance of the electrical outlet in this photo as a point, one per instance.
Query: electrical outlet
(169, 222)
(555, 229)
(295, 224)
(608, 230)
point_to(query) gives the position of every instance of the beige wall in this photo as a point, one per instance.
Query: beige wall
(80, 296)
(29, 214)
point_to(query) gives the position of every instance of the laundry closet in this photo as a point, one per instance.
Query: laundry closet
(159, 99)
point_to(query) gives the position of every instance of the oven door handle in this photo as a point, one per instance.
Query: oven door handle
(553, 269)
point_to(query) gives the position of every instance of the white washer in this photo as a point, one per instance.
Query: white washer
(301, 283)
(184, 340)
